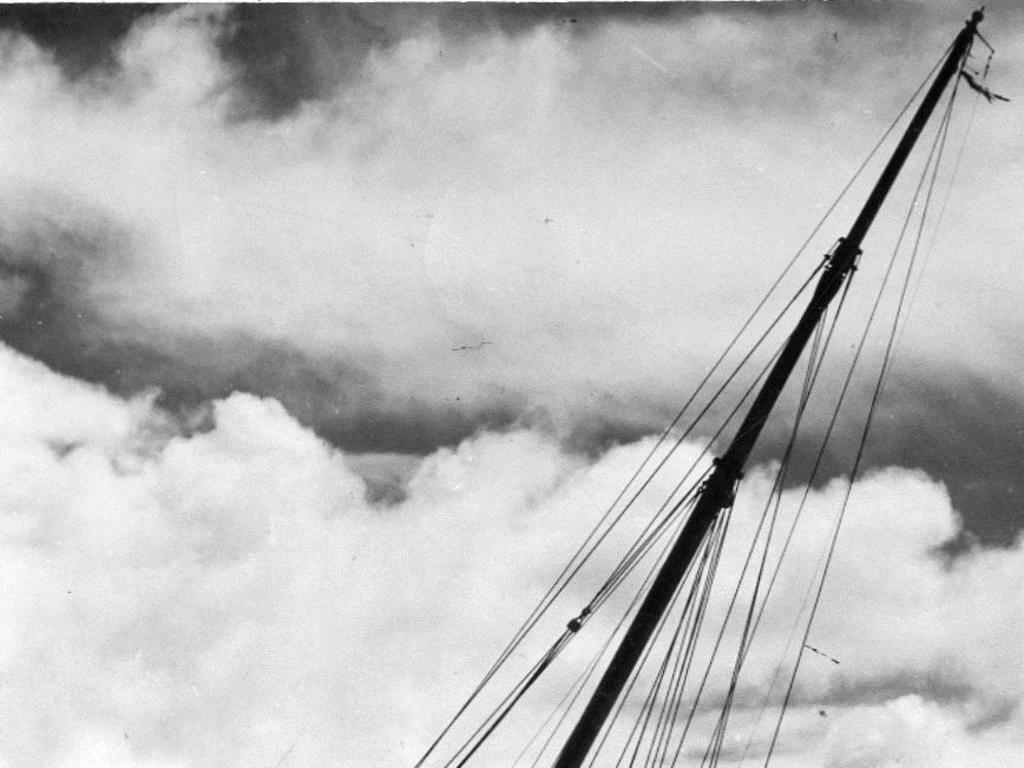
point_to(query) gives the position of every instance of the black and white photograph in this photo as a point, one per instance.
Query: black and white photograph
(512, 385)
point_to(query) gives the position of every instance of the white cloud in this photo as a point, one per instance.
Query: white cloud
(553, 194)
(909, 731)
(229, 598)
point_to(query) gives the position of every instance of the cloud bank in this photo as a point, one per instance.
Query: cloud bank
(461, 241)
(478, 219)
(232, 598)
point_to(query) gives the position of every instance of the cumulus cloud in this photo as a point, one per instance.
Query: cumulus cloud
(557, 195)
(231, 597)
(476, 220)
(467, 234)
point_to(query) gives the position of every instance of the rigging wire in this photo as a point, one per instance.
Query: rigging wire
(748, 558)
(715, 747)
(636, 554)
(941, 216)
(584, 680)
(640, 548)
(721, 526)
(662, 733)
(794, 523)
(554, 593)
(583, 553)
(900, 314)
(648, 537)
(625, 696)
(629, 557)
(940, 138)
(815, 362)
(876, 395)
(943, 133)
(750, 624)
(640, 724)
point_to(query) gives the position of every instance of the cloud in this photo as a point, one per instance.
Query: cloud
(909, 731)
(552, 193)
(477, 232)
(231, 597)
(475, 219)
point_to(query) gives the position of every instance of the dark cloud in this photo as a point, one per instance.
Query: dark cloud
(343, 402)
(55, 320)
(289, 54)
(954, 426)
(941, 685)
(962, 429)
(293, 53)
(81, 36)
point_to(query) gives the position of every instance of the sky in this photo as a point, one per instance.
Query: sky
(327, 331)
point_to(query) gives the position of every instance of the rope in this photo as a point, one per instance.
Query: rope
(656, 528)
(876, 395)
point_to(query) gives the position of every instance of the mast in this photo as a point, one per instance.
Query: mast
(718, 491)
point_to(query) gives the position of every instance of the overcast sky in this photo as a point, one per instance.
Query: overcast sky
(317, 322)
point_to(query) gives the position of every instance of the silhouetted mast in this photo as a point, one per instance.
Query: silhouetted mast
(717, 493)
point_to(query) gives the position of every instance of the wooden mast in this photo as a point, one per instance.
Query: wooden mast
(717, 493)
